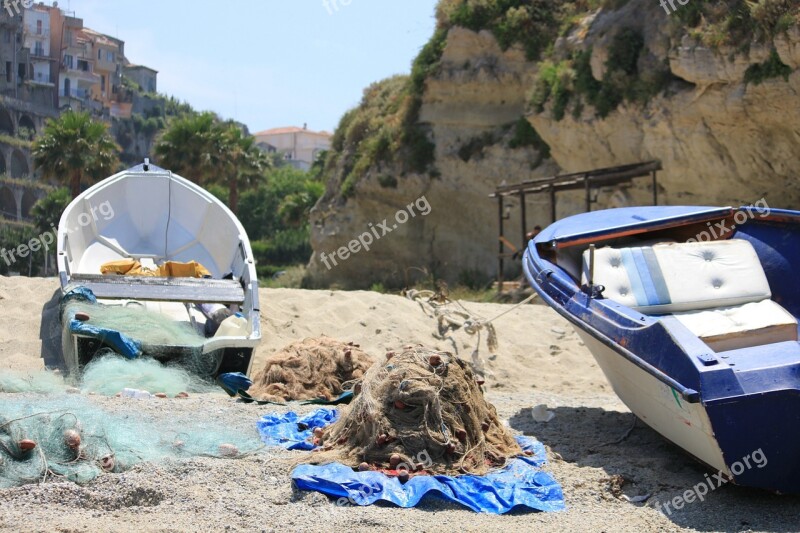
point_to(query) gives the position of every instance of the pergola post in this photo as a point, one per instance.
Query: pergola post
(655, 188)
(500, 260)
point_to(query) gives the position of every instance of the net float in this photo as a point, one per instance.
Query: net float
(107, 463)
(395, 460)
(435, 360)
(228, 450)
(26, 445)
(318, 432)
(403, 476)
(83, 317)
(182, 395)
(160, 395)
(399, 405)
(461, 434)
(389, 355)
(485, 426)
(364, 467)
(72, 439)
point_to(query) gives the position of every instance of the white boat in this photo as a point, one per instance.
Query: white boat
(152, 216)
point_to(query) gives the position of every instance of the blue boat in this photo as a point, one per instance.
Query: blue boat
(690, 313)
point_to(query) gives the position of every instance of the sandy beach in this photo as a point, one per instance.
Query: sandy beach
(605, 461)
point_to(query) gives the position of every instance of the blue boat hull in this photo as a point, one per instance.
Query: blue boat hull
(740, 414)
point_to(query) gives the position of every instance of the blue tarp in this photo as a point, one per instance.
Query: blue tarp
(284, 430)
(233, 382)
(521, 483)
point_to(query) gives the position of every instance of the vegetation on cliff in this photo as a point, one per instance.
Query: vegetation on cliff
(383, 137)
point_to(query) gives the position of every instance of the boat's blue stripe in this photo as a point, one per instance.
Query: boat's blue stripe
(633, 274)
(644, 276)
(656, 276)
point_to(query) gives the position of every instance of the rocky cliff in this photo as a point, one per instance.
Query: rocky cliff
(716, 103)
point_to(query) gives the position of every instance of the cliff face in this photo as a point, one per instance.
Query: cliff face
(721, 140)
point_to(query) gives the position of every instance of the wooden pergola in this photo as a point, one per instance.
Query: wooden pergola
(588, 181)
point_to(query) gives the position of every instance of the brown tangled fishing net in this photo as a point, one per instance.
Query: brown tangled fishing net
(421, 409)
(311, 369)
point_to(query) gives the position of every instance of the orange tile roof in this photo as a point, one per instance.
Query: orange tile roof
(290, 129)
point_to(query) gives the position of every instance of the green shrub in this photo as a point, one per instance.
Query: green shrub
(526, 135)
(771, 68)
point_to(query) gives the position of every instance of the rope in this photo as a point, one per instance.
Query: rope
(437, 305)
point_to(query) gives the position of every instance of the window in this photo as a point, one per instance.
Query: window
(109, 56)
(68, 61)
(103, 83)
(9, 71)
(99, 54)
(7, 36)
(21, 71)
(38, 49)
(38, 27)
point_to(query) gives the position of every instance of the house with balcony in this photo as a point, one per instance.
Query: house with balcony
(36, 38)
(299, 146)
(108, 55)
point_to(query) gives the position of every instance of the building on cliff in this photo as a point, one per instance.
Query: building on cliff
(299, 146)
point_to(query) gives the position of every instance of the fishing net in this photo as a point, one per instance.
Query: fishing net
(158, 335)
(41, 381)
(150, 328)
(421, 408)
(71, 438)
(311, 369)
(109, 375)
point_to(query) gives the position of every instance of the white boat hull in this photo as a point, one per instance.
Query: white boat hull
(685, 424)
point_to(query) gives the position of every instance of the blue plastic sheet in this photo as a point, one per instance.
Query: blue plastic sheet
(521, 483)
(284, 430)
(233, 382)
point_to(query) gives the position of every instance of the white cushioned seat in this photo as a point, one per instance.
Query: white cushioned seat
(718, 290)
(742, 326)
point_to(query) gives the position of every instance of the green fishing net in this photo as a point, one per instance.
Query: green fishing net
(160, 336)
(107, 375)
(150, 328)
(111, 374)
(77, 439)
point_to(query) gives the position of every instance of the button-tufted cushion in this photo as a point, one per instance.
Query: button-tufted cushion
(678, 277)
(742, 326)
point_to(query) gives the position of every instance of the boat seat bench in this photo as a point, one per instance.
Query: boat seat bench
(189, 290)
(718, 290)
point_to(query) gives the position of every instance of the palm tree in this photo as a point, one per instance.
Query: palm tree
(190, 147)
(73, 149)
(243, 164)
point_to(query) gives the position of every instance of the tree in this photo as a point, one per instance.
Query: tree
(244, 163)
(210, 152)
(75, 149)
(190, 147)
(48, 210)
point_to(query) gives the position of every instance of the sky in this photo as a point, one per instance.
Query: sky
(266, 63)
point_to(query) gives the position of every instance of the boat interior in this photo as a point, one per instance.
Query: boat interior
(180, 222)
(728, 281)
